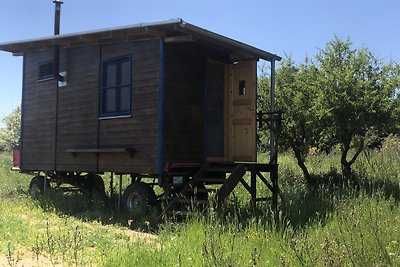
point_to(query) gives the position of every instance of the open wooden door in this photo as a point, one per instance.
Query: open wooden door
(242, 111)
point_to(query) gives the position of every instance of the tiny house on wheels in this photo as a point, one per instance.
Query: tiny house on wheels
(168, 101)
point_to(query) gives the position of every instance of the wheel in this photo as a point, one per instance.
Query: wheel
(36, 187)
(93, 184)
(137, 197)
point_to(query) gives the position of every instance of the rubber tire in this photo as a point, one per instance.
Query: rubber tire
(36, 187)
(137, 198)
(94, 184)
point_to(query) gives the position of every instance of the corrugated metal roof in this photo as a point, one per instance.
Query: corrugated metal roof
(172, 29)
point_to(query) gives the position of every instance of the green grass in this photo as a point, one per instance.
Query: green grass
(331, 223)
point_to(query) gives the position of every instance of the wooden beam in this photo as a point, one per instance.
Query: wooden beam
(180, 39)
(259, 174)
(230, 184)
(246, 185)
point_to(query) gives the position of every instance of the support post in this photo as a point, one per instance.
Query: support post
(112, 185)
(45, 183)
(273, 156)
(274, 180)
(274, 146)
(253, 186)
(120, 193)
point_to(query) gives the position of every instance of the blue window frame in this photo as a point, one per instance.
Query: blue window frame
(116, 87)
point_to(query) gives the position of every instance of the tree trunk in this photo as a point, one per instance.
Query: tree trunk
(346, 165)
(302, 166)
(346, 169)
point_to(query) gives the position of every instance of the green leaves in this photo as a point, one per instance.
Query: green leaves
(345, 96)
(357, 88)
(9, 134)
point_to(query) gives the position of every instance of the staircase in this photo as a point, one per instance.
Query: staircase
(195, 192)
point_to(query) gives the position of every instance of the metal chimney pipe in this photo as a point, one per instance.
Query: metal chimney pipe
(57, 15)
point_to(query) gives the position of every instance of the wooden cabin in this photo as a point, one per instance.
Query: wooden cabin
(142, 100)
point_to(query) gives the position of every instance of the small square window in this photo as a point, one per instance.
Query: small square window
(46, 70)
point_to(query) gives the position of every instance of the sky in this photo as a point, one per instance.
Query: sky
(284, 27)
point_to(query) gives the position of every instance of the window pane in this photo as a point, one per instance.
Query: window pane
(126, 73)
(46, 70)
(116, 87)
(242, 87)
(111, 100)
(111, 76)
(125, 99)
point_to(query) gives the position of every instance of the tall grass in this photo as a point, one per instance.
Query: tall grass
(329, 224)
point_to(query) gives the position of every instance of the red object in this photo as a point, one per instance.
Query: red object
(16, 157)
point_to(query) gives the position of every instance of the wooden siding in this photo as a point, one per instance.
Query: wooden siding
(39, 120)
(184, 103)
(140, 131)
(78, 110)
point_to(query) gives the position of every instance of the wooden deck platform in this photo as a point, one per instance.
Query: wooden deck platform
(212, 183)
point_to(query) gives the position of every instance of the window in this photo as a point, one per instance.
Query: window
(46, 70)
(242, 87)
(116, 87)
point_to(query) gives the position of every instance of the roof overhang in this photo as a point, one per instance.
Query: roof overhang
(175, 30)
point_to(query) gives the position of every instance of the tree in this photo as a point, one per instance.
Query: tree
(295, 96)
(357, 99)
(346, 97)
(10, 133)
(263, 105)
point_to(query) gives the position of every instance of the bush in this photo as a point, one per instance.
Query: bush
(10, 133)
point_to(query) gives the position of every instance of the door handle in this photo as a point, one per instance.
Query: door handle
(252, 108)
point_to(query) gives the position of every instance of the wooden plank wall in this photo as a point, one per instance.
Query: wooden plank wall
(184, 103)
(141, 130)
(78, 109)
(38, 124)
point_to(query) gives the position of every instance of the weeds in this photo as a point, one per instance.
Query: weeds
(330, 223)
(37, 249)
(214, 250)
(76, 245)
(12, 256)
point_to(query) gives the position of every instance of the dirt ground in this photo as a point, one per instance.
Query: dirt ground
(28, 259)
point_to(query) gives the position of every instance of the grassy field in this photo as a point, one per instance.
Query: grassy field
(329, 223)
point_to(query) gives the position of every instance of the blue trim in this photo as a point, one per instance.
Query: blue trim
(161, 111)
(21, 134)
